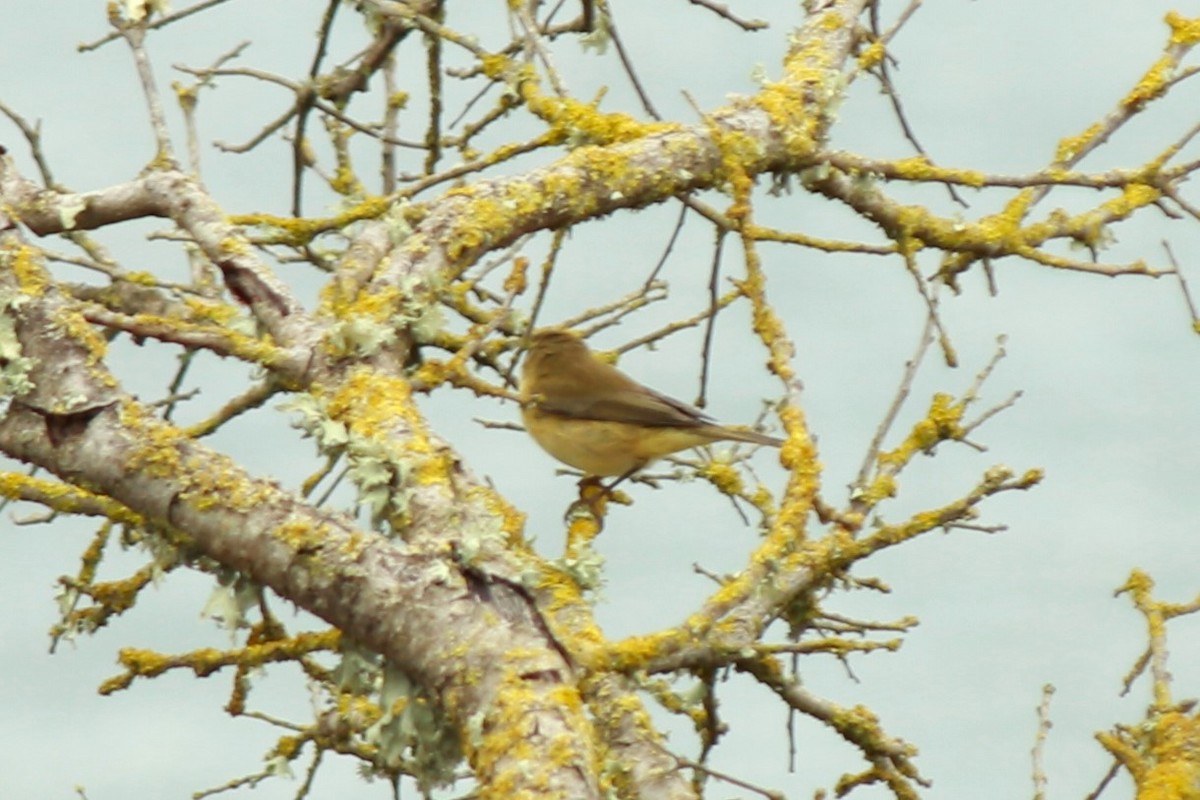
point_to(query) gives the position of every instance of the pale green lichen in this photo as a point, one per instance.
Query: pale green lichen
(230, 600)
(358, 422)
(14, 365)
(361, 336)
(414, 732)
(597, 40)
(69, 211)
(486, 535)
(585, 565)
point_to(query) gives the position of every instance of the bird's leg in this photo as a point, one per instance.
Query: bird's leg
(594, 496)
(629, 473)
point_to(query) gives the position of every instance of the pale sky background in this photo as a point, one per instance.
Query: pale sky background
(1109, 370)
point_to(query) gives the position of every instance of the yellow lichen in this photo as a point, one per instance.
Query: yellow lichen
(85, 335)
(299, 231)
(572, 120)
(507, 754)
(207, 480)
(1152, 85)
(1184, 30)
(943, 421)
(30, 272)
(723, 476)
(880, 489)
(918, 168)
(871, 55)
(1070, 147)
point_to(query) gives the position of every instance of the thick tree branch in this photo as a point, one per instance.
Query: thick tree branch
(413, 606)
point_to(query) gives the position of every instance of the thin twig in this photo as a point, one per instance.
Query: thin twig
(1183, 287)
(674, 237)
(1105, 781)
(1039, 745)
(723, 11)
(189, 97)
(904, 17)
(535, 47)
(158, 23)
(304, 95)
(627, 64)
(303, 107)
(433, 70)
(911, 367)
(931, 304)
(893, 95)
(33, 135)
(135, 36)
(711, 323)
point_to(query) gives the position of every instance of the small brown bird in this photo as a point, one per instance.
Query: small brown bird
(593, 417)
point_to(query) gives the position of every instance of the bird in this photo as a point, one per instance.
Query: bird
(591, 416)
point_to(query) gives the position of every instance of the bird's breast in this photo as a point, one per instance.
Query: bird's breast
(604, 447)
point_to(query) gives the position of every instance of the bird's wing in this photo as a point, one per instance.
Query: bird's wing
(640, 406)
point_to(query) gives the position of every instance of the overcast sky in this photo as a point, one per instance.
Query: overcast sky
(1109, 371)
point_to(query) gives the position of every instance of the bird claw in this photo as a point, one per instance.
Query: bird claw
(592, 502)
